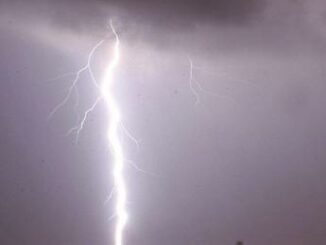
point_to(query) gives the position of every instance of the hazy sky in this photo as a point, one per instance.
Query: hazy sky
(246, 163)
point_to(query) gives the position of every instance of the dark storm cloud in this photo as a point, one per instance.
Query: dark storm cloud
(186, 13)
(160, 22)
(180, 14)
(61, 23)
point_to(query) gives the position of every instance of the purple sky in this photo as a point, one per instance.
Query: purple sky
(247, 163)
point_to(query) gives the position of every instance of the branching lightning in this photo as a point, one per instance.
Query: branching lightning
(87, 67)
(115, 126)
(114, 141)
(80, 127)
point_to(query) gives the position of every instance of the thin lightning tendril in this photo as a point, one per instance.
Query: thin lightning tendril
(139, 169)
(110, 196)
(80, 127)
(191, 81)
(86, 67)
(130, 136)
(195, 85)
(61, 76)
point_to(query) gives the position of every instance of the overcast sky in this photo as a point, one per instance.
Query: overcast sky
(245, 163)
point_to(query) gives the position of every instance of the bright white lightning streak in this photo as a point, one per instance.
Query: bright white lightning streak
(114, 127)
(113, 138)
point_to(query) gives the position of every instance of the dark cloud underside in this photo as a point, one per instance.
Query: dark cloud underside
(189, 12)
(171, 14)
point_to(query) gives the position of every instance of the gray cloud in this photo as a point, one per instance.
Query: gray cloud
(187, 13)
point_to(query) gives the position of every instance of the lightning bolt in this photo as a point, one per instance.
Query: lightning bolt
(114, 126)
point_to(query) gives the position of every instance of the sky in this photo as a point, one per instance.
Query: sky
(245, 163)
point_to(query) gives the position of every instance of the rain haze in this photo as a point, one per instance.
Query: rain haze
(237, 153)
